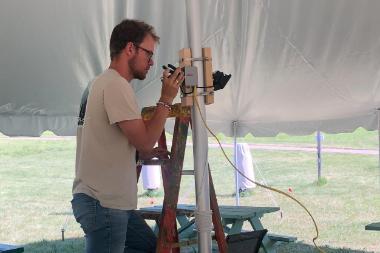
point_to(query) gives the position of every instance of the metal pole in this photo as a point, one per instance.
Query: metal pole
(378, 133)
(237, 195)
(199, 134)
(319, 157)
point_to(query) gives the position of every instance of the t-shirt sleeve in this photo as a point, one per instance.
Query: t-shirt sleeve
(120, 102)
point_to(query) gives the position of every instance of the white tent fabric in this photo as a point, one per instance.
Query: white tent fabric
(297, 65)
(244, 164)
(151, 177)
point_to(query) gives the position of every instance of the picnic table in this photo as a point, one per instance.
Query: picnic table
(373, 226)
(6, 248)
(233, 218)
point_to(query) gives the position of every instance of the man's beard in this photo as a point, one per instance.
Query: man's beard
(141, 75)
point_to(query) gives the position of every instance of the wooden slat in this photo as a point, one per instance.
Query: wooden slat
(158, 210)
(184, 60)
(226, 212)
(245, 212)
(177, 110)
(207, 74)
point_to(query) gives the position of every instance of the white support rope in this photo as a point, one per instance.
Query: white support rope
(202, 219)
(270, 193)
(237, 195)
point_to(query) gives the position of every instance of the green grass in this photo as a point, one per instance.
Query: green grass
(361, 138)
(36, 178)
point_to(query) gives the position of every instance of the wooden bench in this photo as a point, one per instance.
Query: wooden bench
(186, 224)
(233, 218)
(373, 226)
(282, 238)
(273, 239)
(6, 248)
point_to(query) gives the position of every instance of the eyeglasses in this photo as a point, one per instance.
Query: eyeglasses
(148, 52)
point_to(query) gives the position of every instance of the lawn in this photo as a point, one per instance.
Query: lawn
(361, 139)
(36, 178)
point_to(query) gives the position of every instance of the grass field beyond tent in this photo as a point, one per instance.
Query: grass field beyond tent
(36, 178)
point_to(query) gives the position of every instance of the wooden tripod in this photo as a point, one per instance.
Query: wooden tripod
(171, 174)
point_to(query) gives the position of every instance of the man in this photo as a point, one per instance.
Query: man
(105, 184)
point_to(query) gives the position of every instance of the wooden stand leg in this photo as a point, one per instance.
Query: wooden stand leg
(171, 177)
(216, 219)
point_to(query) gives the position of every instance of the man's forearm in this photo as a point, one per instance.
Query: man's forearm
(155, 125)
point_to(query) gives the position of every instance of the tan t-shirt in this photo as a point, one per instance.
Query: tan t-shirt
(105, 166)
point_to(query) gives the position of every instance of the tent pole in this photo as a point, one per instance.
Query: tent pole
(319, 157)
(237, 195)
(199, 135)
(378, 134)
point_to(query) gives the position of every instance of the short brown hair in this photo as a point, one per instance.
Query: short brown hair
(129, 30)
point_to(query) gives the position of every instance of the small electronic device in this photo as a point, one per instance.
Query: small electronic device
(190, 72)
(170, 67)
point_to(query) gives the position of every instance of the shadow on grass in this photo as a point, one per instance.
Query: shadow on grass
(306, 248)
(76, 245)
(70, 245)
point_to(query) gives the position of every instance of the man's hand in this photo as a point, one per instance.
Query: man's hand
(170, 85)
(144, 134)
(157, 152)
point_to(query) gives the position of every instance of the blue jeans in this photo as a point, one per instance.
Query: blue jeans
(110, 230)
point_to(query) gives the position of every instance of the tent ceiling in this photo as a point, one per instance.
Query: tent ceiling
(297, 66)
